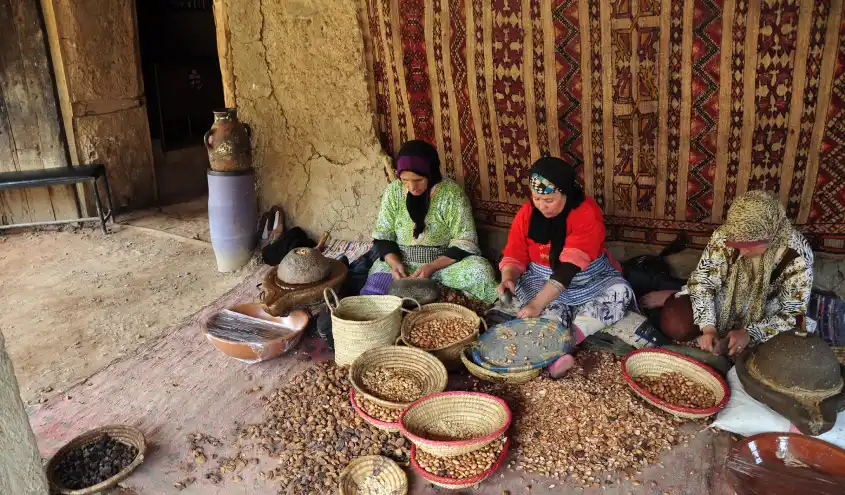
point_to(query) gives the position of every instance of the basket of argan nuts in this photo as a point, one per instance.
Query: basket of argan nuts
(449, 424)
(675, 383)
(394, 376)
(463, 471)
(442, 329)
(381, 417)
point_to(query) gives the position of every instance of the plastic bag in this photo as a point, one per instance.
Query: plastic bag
(746, 416)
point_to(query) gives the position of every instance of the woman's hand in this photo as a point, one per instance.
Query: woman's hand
(510, 274)
(507, 284)
(530, 310)
(738, 341)
(397, 269)
(707, 339)
(424, 271)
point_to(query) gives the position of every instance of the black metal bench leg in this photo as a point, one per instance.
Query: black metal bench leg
(112, 212)
(99, 207)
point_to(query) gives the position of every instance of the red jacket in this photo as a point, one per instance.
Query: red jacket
(584, 239)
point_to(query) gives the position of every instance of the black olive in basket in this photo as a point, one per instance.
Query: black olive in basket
(94, 463)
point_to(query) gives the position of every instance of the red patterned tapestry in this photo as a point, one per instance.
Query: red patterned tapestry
(671, 108)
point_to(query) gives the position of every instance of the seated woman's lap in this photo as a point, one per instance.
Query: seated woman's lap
(472, 275)
(596, 314)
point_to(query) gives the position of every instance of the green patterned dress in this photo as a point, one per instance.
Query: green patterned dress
(449, 223)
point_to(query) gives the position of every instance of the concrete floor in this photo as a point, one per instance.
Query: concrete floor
(75, 300)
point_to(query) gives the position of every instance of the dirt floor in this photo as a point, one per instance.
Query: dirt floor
(75, 301)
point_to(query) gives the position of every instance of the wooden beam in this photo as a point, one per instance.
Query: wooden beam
(224, 51)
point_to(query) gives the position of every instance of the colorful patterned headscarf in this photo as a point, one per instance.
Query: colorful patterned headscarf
(542, 185)
(754, 218)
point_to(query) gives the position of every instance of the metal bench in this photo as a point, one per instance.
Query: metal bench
(61, 176)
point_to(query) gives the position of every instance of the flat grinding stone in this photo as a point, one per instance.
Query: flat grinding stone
(792, 361)
(424, 291)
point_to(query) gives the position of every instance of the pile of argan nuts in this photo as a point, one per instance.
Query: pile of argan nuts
(464, 465)
(587, 424)
(376, 411)
(440, 332)
(677, 389)
(392, 384)
(312, 430)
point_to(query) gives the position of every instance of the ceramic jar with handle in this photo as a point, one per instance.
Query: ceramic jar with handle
(228, 143)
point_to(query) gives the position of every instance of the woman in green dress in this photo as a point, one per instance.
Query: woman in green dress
(425, 230)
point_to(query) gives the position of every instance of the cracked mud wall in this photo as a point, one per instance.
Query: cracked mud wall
(300, 83)
(20, 461)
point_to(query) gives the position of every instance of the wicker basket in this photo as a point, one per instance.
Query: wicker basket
(450, 354)
(428, 420)
(360, 323)
(125, 434)
(381, 425)
(421, 365)
(515, 378)
(394, 480)
(455, 483)
(655, 362)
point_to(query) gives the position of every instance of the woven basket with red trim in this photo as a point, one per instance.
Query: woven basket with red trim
(456, 483)
(656, 362)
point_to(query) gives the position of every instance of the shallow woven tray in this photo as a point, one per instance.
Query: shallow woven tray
(479, 412)
(362, 468)
(424, 366)
(655, 362)
(513, 378)
(125, 434)
(450, 354)
(381, 425)
(455, 483)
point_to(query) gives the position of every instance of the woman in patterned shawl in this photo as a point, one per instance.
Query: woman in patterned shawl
(754, 278)
(556, 262)
(425, 229)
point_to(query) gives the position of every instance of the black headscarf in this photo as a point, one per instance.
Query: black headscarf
(543, 230)
(418, 205)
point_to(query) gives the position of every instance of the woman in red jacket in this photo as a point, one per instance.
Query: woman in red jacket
(556, 262)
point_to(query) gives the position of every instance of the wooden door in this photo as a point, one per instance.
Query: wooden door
(31, 133)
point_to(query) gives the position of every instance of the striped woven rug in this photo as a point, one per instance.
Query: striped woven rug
(672, 108)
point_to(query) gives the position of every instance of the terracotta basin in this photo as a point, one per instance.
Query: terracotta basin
(786, 464)
(256, 349)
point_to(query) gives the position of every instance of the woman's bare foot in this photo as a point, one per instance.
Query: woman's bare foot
(656, 299)
(561, 366)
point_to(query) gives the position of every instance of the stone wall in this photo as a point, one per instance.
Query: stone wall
(96, 60)
(300, 82)
(20, 462)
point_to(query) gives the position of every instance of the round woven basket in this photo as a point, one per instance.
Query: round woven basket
(458, 483)
(393, 479)
(381, 425)
(655, 362)
(124, 434)
(420, 365)
(450, 354)
(515, 378)
(432, 422)
(360, 323)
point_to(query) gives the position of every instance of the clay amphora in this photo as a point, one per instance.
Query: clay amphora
(227, 142)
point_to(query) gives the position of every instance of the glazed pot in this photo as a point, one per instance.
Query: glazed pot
(227, 142)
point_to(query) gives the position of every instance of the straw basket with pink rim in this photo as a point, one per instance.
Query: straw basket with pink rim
(656, 362)
(448, 424)
(458, 483)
